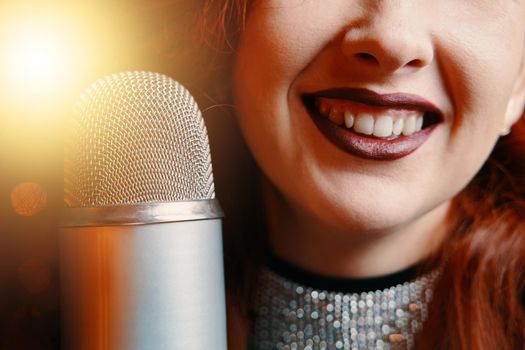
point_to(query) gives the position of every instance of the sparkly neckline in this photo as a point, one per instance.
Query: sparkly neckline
(288, 314)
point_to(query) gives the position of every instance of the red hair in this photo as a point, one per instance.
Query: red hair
(478, 301)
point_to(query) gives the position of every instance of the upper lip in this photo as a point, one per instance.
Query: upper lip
(369, 97)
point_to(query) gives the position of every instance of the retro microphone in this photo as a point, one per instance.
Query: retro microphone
(141, 245)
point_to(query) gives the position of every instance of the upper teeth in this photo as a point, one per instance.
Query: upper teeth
(385, 124)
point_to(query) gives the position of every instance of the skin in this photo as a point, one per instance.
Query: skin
(334, 213)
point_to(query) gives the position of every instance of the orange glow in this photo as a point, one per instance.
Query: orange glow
(28, 198)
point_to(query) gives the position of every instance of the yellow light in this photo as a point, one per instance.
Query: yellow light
(50, 50)
(35, 57)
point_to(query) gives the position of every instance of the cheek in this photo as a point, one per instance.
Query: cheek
(481, 66)
(479, 115)
(480, 58)
(275, 48)
(282, 37)
(481, 73)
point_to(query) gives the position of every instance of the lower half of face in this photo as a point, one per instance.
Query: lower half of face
(360, 122)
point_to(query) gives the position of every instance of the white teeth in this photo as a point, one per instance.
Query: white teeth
(410, 126)
(398, 127)
(349, 119)
(383, 126)
(364, 124)
(419, 123)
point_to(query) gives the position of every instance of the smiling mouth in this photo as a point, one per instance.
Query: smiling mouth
(370, 125)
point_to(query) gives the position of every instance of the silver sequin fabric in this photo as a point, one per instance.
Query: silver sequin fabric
(292, 316)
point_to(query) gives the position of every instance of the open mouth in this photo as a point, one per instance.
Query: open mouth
(373, 126)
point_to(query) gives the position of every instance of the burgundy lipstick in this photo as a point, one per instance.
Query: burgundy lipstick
(370, 147)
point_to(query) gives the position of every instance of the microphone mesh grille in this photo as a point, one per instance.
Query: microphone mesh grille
(138, 137)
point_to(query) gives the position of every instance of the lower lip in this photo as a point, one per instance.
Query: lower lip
(368, 147)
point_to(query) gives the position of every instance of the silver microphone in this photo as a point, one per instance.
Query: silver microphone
(141, 242)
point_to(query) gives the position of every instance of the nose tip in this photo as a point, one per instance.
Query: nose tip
(387, 48)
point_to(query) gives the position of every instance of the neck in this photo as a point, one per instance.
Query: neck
(314, 245)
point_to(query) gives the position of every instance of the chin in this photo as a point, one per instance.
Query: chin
(365, 214)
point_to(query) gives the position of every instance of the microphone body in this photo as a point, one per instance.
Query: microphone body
(141, 243)
(144, 285)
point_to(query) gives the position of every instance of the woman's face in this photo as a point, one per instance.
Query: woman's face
(306, 67)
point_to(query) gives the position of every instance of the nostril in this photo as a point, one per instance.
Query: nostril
(366, 57)
(416, 63)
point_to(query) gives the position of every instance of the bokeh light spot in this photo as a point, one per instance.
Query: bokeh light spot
(28, 198)
(34, 275)
(36, 59)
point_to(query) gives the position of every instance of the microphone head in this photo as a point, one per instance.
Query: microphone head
(137, 137)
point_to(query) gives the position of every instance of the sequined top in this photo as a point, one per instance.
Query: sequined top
(294, 309)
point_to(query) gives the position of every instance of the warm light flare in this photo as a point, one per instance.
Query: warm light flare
(49, 50)
(37, 58)
(36, 55)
